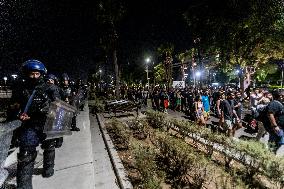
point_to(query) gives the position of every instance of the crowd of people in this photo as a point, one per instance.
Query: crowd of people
(31, 98)
(259, 110)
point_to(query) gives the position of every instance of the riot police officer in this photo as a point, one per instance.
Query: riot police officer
(52, 82)
(68, 94)
(33, 97)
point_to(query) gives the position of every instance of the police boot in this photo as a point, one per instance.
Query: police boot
(58, 142)
(73, 125)
(48, 158)
(25, 167)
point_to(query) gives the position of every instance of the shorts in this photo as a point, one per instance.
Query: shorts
(228, 124)
(236, 121)
(206, 114)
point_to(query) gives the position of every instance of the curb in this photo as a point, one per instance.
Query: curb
(123, 180)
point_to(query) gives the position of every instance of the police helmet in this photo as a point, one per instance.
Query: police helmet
(34, 65)
(51, 76)
(65, 77)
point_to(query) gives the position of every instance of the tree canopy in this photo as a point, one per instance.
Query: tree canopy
(243, 32)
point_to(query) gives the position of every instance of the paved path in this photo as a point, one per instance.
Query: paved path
(74, 168)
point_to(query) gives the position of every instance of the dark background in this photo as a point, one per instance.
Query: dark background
(65, 34)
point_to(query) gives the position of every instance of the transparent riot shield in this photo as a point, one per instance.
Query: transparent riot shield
(6, 133)
(59, 119)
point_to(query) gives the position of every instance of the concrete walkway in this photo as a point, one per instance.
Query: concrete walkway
(82, 162)
(74, 168)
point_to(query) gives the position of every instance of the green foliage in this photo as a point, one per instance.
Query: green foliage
(176, 157)
(159, 73)
(246, 33)
(140, 128)
(263, 71)
(254, 155)
(144, 157)
(187, 55)
(156, 119)
(274, 169)
(120, 134)
(185, 167)
(99, 106)
(166, 48)
(97, 103)
(182, 164)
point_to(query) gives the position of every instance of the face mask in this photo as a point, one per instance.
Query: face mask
(33, 81)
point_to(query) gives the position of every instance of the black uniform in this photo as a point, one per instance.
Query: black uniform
(68, 94)
(30, 134)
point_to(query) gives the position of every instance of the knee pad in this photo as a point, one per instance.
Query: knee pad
(48, 144)
(27, 156)
(59, 142)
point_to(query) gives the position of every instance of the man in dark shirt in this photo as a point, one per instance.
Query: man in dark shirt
(275, 112)
(238, 109)
(227, 113)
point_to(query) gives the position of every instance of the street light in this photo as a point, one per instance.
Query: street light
(198, 74)
(197, 77)
(5, 79)
(14, 76)
(147, 71)
(100, 82)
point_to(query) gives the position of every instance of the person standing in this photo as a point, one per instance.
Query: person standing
(178, 99)
(32, 97)
(164, 100)
(275, 112)
(227, 114)
(68, 95)
(51, 81)
(199, 111)
(206, 104)
(156, 100)
(238, 108)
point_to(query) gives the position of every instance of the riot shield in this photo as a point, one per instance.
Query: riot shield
(59, 119)
(78, 99)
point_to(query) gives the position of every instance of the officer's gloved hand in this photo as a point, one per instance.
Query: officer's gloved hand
(24, 117)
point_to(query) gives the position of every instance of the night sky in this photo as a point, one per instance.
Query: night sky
(65, 34)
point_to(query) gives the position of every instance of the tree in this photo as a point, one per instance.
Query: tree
(109, 14)
(159, 73)
(165, 52)
(245, 33)
(185, 57)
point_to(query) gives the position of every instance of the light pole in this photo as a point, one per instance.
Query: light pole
(147, 71)
(100, 82)
(5, 80)
(198, 74)
(100, 71)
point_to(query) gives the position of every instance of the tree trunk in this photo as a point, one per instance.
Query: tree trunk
(117, 80)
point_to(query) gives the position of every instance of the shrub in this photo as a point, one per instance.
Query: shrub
(144, 156)
(140, 128)
(156, 119)
(274, 170)
(176, 158)
(120, 134)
